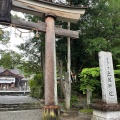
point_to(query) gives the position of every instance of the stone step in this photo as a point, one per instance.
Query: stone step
(20, 106)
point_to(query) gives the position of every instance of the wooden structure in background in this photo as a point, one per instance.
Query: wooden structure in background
(12, 80)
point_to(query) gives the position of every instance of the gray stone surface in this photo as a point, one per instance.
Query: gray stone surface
(106, 115)
(21, 115)
(16, 99)
(33, 115)
(109, 94)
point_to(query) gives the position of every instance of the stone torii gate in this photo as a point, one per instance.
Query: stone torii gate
(51, 12)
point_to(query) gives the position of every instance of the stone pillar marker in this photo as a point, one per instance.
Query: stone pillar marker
(107, 77)
(108, 108)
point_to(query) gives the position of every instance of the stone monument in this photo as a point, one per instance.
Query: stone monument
(107, 77)
(108, 108)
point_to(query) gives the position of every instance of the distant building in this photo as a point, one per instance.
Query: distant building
(10, 79)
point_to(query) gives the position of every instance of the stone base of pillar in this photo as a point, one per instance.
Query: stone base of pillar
(103, 111)
(105, 115)
(51, 112)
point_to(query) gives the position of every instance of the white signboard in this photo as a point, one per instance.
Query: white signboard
(7, 80)
(107, 77)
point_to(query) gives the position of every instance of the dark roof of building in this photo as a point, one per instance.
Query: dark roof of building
(10, 72)
(15, 70)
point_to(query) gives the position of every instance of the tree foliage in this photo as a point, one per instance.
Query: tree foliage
(100, 29)
(37, 86)
(10, 59)
(4, 37)
(33, 49)
(89, 78)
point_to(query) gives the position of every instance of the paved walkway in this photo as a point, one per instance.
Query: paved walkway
(27, 114)
(31, 115)
(21, 115)
(16, 99)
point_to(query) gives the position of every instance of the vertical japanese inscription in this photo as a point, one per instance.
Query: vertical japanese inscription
(5, 8)
(107, 77)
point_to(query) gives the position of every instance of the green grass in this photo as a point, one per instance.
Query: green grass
(89, 111)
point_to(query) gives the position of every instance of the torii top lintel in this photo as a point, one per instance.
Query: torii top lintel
(40, 7)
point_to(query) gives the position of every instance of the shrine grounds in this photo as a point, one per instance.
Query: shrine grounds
(34, 114)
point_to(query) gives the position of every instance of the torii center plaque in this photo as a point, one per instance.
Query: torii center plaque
(5, 8)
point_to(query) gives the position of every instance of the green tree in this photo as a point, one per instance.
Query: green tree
(10, 59)
(33, 51)
(4, 37)
(89, 78)
(37, 86)
(32, 63)
(100, 29)
(90, 81)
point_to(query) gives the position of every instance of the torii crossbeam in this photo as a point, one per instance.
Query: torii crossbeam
(41, 27)
(41, 7)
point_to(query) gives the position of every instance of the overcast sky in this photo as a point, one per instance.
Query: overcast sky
(16, 39)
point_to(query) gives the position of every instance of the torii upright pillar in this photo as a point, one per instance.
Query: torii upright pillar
(50, 108)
